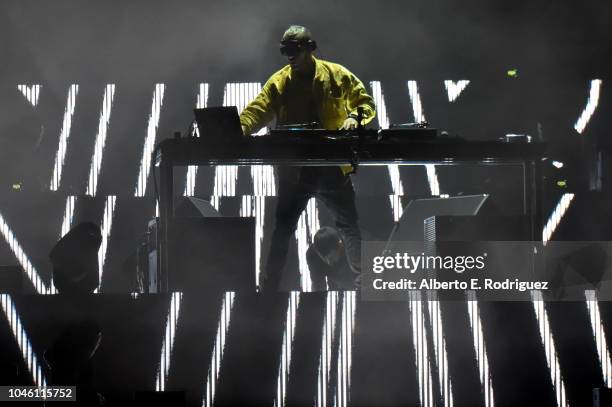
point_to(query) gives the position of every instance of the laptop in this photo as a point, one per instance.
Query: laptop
(219, 124)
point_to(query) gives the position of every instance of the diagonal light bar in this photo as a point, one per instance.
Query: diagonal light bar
(592, 102)
(63, 139)
(454, 88)
(31, 93)
(307, 226)
(29, 357)
(556, 216)
(603, 351)
(327, 340)
(96, 161)
(105, 230)
(192, 170)
(287, 349)
(149, 144)
(168, 343)
(22, 258)
(68, 215)
(482, 358)
(219, 347)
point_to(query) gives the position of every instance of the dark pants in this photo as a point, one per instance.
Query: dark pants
(296, 186)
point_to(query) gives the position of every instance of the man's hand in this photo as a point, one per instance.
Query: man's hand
(349, 124)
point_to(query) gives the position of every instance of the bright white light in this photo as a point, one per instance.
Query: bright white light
(105, 230)
(307, 226)
(439, 342)
(64, 135)
(421, 349)
(225, 180)
(287, 349)
(31, 93)
(599, 335)
(168, 343)
(219, 347)
(381, 106)
(396, 207)
(432, 179)
(96, 161)
(23, 260)
(557, 164)
(556, 216)
(590, 107)
(263, 180)
(454, 89)
(480, 349)
(149, 145)
(345, 349)
(415, 99)
(29, 357)
(68, 215)
(552, 358)
(192, 170)
(255, 206)
(327, 339)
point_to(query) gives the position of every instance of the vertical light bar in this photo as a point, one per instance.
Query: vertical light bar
(255, 206)
(482, 358)
(454, 88)
(68, 215)
(345, 349)
(592, 102)
(603, 351)
(105, 230)
(415, 99)
(432, 179)
(31, 93)
(263, 180)
(96, 161)
(149, 144)
(396, 207)
(307, 226)
(552, 358)
(327, 339)
(219, 347)
(556, 216)
(287, 349)
(63, 139)
(168, 343)
(381, 106)
(23, 260)
(192, 170)
(421, 349)
(441, 357)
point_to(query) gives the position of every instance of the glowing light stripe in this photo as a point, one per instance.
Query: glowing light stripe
(415, 99)
(31, 93)
(192, 170)
(603, 351)
(168, 343)
(96, 160)
(105, 230)
(29, 357)
(255, 206)
(556, 216)
(590, 107)
(439, 342)
(552, 358)
(149, 144)
(396, 207)
(287, 349)
(345, 350)
(421, 349)
(381, 106)
(63, 139)
(22, 258)
(482, 359)
(307, 226)
(432, 179)
(454, 89)
(219, 347)
(68, 215)
(263, 180)
(327, 339)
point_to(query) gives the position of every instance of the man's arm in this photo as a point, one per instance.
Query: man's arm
(357, 98)
(260, 111)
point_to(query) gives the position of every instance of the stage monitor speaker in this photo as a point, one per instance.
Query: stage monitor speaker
(190, 207)
(212, 254)
(476, 228)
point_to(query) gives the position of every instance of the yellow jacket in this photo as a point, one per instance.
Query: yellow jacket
(336, 93)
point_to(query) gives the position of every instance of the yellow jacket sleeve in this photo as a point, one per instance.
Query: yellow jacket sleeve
(358, 97)
(261, 110)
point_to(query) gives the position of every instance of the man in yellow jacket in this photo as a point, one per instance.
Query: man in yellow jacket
(310, 90)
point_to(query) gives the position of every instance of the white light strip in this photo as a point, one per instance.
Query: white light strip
(556, 216)
(603, 351)
(552, 358)
(23, 260)
(23, 341)
(192, 170)
(225, 180)
(63, 139)
(307, 226)
(168, 343)
(439, 342)
(68, 215)
(421, 351)
(396, 207)
(255, 206)
(415, 99)
(327, 340)
(263, 180)
(105, 230)
(590, 107)
(381, 106)
(454, 89)
(96, 160)
(149, 144)
(287, 349)
(31, 93)
(432, 179)
(480, 349)
(219, 347)
(345, 350)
